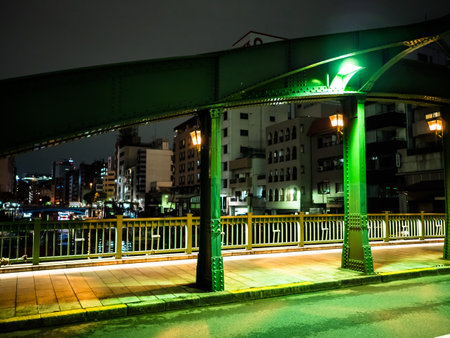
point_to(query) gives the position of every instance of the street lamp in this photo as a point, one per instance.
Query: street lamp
(337, 121)
(196, 137)
(435, 123)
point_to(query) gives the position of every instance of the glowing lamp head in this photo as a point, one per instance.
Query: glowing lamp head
(435, 123)
(196, 137)
(337, 120)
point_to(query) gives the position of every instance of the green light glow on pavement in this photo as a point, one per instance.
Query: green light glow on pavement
(345, 73)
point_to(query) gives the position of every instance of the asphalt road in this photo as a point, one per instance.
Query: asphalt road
(412, 308)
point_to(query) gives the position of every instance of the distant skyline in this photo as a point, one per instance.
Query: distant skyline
(39, 36)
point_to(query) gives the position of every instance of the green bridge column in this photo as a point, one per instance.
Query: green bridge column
(356, 252)
(210, 274)
(446, 155)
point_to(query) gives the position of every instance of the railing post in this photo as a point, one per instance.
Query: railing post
(36, 240)
(422, 225)
(119, 227)
(249, 231)
(301, 229)
(386, 226)
(189, 234)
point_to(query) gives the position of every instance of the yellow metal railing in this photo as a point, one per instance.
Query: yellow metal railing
(61, 240)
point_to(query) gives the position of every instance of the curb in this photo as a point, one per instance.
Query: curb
(207, 299)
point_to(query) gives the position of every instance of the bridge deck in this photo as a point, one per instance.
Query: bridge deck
(113, 289)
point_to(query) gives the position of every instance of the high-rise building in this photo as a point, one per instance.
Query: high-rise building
(60, 169)
(138, 167)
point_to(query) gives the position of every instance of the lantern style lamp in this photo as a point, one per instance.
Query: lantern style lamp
(435, 123)
(337, 121)
(196, 137)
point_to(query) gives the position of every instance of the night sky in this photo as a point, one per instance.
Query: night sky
(43, 35)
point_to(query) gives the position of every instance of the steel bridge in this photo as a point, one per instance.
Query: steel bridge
(355, 67)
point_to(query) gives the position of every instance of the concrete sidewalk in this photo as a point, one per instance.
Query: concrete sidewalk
(58, 296)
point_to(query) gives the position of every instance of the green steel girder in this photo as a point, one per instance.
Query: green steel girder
(48, 109)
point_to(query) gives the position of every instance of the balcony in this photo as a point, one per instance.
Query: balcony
(236, 202)
(241, 182)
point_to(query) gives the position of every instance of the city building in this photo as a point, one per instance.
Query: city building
(140, 166)
(244, 136)
(186, 168)
(420, 166)
(59, 171)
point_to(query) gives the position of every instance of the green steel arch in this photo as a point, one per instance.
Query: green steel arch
(47, 109)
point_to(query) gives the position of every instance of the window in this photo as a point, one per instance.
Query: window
(225, 115)
(270, 195)
(275, 137)
(302, 169)
(225, 166)
(275, 156)
(302, 148)
(270, 176)
(282, 195)
(281, 136)
(339, 187)
(225, 132)
(288, 134)
(281, 175)
(294, 194)
(294, 133)
(224, 184)
(269, 139)
(294, 173)
(294, 153)
(331, 163)
(275, 178)
(288, 154)
(323, 188)
(244, 150)
(281, 155)
(302, 128)
(244, 132)
(288, 174)
(225, 149)
(328, 141)
(244, 116)
(269, 157)
(272, 118)
(276, 195)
